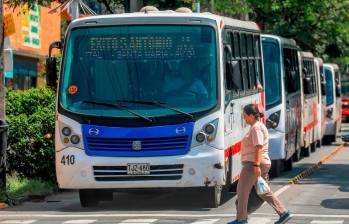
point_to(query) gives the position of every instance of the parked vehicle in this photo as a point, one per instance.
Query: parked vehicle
(310, 103)
(333, 103)
(283, 101)
(345, 95)
(154, 100)
(321, 106)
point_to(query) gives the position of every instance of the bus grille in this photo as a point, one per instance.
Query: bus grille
(139, 147)
(119, 173)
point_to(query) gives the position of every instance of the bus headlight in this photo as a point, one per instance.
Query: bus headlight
(206, 134)
(75, 139)
(200, 137)
(66, 131)
(273, 120)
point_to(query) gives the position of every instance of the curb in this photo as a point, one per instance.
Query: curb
(311, 170)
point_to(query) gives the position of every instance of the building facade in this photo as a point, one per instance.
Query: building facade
(26, 50)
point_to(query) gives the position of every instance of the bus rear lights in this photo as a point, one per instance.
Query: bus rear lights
(66, 131)
(75, 139)
(273, 120)
(200, 137)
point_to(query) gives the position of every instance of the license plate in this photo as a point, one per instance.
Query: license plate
(138, 169)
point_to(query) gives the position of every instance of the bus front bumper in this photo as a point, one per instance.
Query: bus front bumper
(202, 166)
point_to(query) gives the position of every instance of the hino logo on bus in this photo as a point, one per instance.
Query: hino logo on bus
(136, 145)
(93, 131)
(181, 130)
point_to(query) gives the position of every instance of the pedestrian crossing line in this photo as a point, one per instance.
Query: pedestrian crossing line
(138, 221)
(205, 221)
(327, 222)
(259, 220)
(18, 221)
(80, 221)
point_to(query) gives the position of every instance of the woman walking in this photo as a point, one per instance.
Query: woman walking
(256, 162)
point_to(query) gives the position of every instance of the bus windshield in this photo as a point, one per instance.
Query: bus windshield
(141, 70)
(329, 86)
(271, 54)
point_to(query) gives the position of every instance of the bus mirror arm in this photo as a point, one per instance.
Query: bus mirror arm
(51, 66)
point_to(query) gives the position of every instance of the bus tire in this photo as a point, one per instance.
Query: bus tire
(214, 196)
(313, 147)
(326, 140)
(297, 155)
(306, 151)
(319, 143)
(276, 167)
(288, 164)
(88, 198)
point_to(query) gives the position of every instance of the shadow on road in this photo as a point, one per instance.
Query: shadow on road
(340, 203)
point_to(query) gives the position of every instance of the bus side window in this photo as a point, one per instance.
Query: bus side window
(257, 58)
(243, 62)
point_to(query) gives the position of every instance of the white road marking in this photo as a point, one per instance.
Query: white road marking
(80, 221)
(259, 220)
(152, 215)
(18, 221)
(282, 190)
(205, 221)
(138, 221)
(327, 222)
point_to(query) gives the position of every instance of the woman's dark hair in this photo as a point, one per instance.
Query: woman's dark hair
(252, 109)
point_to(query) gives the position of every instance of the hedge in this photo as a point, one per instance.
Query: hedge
(30, 115)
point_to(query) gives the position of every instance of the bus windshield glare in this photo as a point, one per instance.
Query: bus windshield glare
(124, 71)
(329, 87)
(271, 54)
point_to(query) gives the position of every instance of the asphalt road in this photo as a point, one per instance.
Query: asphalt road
(322, 197)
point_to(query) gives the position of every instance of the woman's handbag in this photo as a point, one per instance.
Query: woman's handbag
(262, 186)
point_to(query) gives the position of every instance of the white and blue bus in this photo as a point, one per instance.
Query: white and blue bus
(321, 107)
(310, 102)
(154, 100)
(283, 100)
(333, 103)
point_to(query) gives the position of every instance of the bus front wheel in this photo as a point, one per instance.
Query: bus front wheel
(88, 198)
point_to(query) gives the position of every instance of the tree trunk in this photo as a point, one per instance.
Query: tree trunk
(2, 100)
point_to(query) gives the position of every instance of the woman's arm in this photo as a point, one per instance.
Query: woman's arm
(257, 163)
(259, 149)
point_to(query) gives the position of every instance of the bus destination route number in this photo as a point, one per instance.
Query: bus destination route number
(68, 160)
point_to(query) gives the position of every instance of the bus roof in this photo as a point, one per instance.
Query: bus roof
(319, 60)
(306, 54)
(291, 43)
(162, 17)
(332, 65)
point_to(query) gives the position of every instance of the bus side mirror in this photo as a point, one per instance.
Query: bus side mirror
(338, 91)
(51, 72)
(307, 85)
(305, 71)
(51, 66)
(323, 89)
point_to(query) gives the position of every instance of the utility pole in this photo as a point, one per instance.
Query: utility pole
(3, 142)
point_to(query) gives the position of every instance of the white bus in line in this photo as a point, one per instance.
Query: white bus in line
(310, 102)
(333, 103)
(283, 101)
(154, 100)
(321, 109)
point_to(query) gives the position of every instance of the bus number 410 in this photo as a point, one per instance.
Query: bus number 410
(68, 160)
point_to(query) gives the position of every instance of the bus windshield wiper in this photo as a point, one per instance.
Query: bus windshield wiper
(157, 103)
(117, 106)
